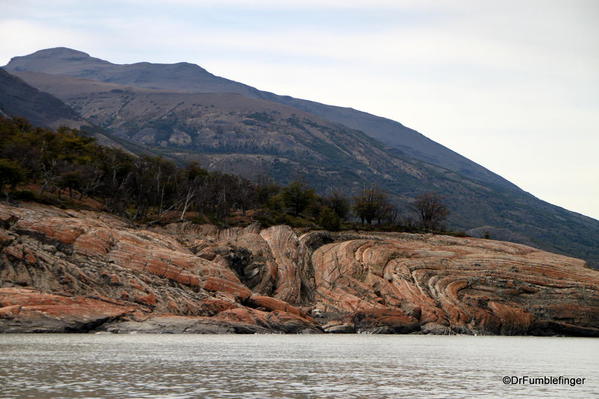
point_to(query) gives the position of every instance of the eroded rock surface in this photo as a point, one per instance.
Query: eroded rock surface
(64, 271)
(440, 284)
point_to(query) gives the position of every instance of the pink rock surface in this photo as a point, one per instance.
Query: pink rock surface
(81, 270)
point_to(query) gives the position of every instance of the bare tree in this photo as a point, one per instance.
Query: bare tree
(373, 204)
(339, 203)
(431, 211)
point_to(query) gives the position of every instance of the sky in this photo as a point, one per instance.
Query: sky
(513, 85)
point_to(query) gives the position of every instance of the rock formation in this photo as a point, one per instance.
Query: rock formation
(68, 271)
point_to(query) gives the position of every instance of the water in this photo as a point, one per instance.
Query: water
(291, 366)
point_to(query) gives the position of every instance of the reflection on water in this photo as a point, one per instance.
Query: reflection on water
(291, 366)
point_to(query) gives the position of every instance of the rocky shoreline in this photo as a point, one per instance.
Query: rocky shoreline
(86, 271)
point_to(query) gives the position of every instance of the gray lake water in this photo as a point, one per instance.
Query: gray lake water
(292, 366)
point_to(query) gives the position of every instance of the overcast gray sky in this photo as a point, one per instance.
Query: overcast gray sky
(512, 85)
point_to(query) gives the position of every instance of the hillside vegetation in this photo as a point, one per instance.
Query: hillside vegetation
(67, 168)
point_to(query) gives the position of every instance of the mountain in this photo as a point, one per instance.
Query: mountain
(185, 113)
(186, 77)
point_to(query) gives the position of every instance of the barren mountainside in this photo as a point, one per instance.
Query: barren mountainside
(186, 77)
(183, 112)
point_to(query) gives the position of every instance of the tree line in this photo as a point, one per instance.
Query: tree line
(65, 165)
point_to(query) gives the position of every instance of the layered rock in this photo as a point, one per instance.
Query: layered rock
(33, 311)
(66, 271)
(441, 284)
(76, 256)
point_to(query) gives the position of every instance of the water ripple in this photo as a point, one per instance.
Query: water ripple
(44, 366)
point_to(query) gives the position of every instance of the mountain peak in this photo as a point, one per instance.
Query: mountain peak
(180, 76)
(59, 52)
(67, 61)
(53, 60)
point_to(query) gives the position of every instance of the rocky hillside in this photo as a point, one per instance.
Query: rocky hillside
(183, 112)
(236, 134)
(80, 271)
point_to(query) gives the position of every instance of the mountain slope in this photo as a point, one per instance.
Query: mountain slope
(188, 77)
(185, 113)
(394, 134)
(17, 98)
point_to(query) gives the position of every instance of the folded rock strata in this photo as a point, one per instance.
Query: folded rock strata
(65, 271)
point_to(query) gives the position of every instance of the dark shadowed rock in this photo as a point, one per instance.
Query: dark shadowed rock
(18, 99)
(26, 310)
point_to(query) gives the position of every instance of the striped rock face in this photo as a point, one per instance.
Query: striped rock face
(64, 271)
(441, 284)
